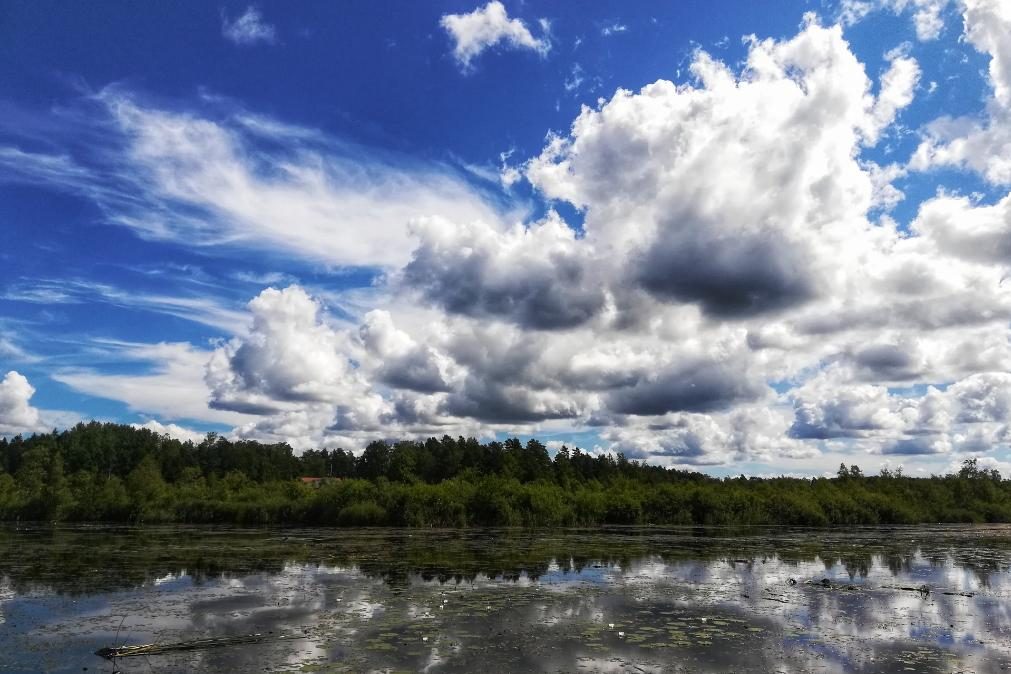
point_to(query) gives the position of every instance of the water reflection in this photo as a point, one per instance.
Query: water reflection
(637, 600)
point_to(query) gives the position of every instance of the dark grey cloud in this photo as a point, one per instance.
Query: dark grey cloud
(504, 356)
(888, 362)
(962, 308)
(238, 404)
(687, 449)
(833, 410)
(728, 276)
(911, 447)
(403, 362)
(827, 426)
(701, 386)
(417, 371)
(554, 296)
(491, 402)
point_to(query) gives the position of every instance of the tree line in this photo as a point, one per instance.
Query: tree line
(117, 473)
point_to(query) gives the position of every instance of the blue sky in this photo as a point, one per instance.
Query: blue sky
(742, 237)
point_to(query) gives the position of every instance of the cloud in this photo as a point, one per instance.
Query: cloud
(291, 361)
(173, 431)
(741, 277)
(916, 446)
(575, 80)
(726, 244)
(288, 355)
(928, 20)
(970, 415)
(10, 350)
(986, 27)
(327, 202)
(732, 293)
(229, 178)
(825, 409)
(536, 276)
(509, 404)
(17, 416)
(983, 145)
(487, 27)
(890, 362)
(748, 433)
(202, 309)
(511, 376)
(732, 194)
(406, 364)
(982, 398)
(302, 428)
(249, 28)
(459, 373)
(699, 386)
(172, 387)
(897, 86)
(962, 229)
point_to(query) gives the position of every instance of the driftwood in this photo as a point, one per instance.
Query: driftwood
(772, 596)
(922, 590)
(196, 644)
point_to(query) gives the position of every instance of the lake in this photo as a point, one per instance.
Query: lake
(620, 599)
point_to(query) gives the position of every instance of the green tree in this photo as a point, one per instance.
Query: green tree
(374, 461)
(146, 489)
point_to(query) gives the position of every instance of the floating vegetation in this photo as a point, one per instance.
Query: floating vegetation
(111, 653)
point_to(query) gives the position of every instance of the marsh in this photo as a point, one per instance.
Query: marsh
(635, 599)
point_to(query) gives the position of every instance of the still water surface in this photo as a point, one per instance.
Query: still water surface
(917, 599)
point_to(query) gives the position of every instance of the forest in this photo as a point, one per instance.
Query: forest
(103, 472)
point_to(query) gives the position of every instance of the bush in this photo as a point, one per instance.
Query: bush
(366, 514)
(622, 508)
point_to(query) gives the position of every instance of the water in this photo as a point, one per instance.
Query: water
(610, 600)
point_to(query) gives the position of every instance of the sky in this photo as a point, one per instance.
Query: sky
(735, 237)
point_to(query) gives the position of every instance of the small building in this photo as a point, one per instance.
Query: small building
(317, 482)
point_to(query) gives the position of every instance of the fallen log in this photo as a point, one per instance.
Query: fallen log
(196, 644)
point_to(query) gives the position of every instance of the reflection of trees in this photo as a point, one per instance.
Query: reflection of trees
(857, 565)
(82, 560)
(898, 563)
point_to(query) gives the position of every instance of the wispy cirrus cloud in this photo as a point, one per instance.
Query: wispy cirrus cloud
(204, 309)
(171, 386)
(246, 182)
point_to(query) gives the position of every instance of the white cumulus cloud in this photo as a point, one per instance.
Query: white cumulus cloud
(16, 412)
(174, 431)
(485, 27)
(982, 144)
(248, 28)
